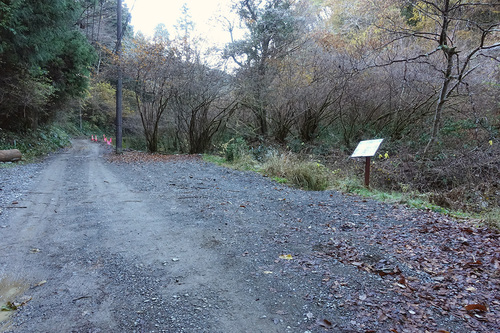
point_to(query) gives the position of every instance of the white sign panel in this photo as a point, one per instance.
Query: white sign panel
(367, 148)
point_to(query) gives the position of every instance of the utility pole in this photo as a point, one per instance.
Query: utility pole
(119, 82)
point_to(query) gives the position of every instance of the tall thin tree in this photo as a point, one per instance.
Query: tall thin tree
(119, 82)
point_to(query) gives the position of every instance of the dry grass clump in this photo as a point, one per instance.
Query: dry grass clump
(308, 175)
(492, 218)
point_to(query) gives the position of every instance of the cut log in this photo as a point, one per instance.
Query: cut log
(11, 155)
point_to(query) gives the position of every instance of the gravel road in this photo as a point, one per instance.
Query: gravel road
(185, 246)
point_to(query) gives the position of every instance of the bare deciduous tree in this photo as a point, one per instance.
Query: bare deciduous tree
(202, 104)
(457, 34)
(151, 65)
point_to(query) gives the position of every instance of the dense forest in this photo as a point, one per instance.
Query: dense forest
(309, 76)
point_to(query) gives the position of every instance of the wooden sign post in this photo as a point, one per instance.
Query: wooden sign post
(367, 149)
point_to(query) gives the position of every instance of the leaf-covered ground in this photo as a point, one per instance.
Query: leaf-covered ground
(438, 269)
(140, 157)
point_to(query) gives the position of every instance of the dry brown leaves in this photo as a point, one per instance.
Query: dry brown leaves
(451, 276)
(463, 262)
(141, 157)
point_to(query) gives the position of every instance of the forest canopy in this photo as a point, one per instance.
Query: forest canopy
(322, 72)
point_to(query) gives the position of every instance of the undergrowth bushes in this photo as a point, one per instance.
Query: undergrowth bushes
(282, 167)
(235, 149)
(35, 143)
(453, 182)
(466, 181)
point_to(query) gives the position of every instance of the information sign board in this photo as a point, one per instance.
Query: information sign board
(367, 148)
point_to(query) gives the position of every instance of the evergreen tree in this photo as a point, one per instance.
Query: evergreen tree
(42, 55)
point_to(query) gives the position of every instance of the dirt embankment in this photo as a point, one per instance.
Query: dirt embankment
(179, 245)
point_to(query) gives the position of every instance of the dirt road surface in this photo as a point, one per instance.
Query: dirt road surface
(186, 246)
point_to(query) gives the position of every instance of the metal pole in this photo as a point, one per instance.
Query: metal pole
(367, 171)
(119, 82)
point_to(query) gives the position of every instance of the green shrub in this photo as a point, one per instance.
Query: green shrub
(36, 143)
(235, 149)
(236, 155)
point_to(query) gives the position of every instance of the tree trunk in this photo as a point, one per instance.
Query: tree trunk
(119, 82)
(11, 155)
(442, 100)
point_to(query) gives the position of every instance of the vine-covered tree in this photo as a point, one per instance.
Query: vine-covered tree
(272, 31)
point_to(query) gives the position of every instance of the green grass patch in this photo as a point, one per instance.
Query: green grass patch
(219, 160)
(243, 163)
(280, 180)
(411, 199)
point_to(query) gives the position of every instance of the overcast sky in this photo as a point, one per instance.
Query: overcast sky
(147, 14)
